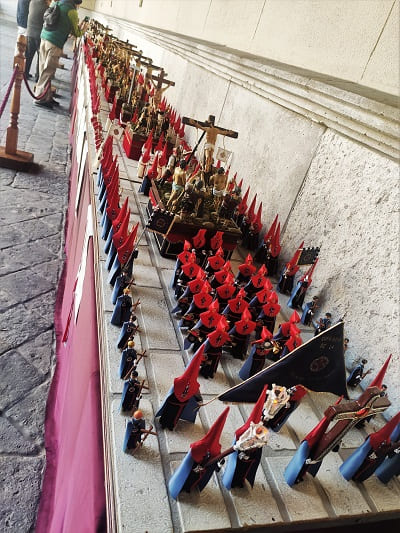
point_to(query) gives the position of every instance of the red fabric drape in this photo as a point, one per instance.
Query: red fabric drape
(73, 497)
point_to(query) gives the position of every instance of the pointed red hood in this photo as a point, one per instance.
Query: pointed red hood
(250, 213)
(293, 342)
(271, 309)
(196, 285)
(153, 171)
(271, 232)
(199, 240)
(145, 157)
(242, 207)
(257, 224)
(294, 318)
(126, 248)
(219, 337)
(210, 444)
(119, 237)
(187, 256)
(265, 335)
(210, 318)
(296, 256)
(217, 240)
(378, 379)
(149, 141)
(113, 208)
(308, 275)
(186, 385)
(262, 296)
(226, 290)
(245, 326)
(216, 262)
(383, 435)
(275, 247)
(159, 145)
(190, 269)
(163, 159)
(255, 415)
(122, 214)
(202, 299)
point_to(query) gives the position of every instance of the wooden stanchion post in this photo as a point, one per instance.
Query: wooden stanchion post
(10, 156)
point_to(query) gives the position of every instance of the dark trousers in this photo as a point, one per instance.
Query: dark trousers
(32, 47)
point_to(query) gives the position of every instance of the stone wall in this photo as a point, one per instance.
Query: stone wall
(321, 157)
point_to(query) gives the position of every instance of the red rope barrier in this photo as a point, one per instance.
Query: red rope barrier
(7, 95)
(42, 95)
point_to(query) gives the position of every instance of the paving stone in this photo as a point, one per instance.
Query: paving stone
(18, 377)
(202, 511)
(21, 256)
(39, 351)
(133, 475)
(35, 229)
(7, 176)
(19, 505)
(303, 419)
(385, 497)
(153, 312)
(146, 276)
(342, 495)
(302, 501)
(256, 506)
(23, 285)
(12, 441)
(29, 412)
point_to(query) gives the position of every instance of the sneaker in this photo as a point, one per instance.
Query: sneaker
(54, 102)
(44, 103)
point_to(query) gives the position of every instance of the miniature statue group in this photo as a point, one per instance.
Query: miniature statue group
(221, 313)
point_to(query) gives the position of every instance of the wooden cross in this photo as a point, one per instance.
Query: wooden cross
(159, 89)
(211, 131)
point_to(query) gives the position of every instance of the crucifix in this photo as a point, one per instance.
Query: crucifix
(211, 131)
(158, 87)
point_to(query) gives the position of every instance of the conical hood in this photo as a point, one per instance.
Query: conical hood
(209, 444)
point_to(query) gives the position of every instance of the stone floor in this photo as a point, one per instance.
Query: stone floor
(31, 255)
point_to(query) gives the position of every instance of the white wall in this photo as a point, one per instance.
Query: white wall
(355, 40)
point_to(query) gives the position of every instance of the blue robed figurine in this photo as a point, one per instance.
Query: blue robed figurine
(181, 402)
(136, 433)
(128, 359)
(200, 462)
(127, 332)
(309, 311)
(122, 309)
(372, 453)
(298, 294)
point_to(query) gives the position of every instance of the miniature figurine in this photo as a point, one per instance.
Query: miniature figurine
(364, 461)
(325, 437)
(135, 429)
(357, 374)
(245, 454)
(198, 466)
(131, 393)
(178, 183)
(213, 349)
(309, 311)
(122, 310)
(323, 324)
(296, 299)
(127, 333)
(268, 314)
(240, 335)
(256, 360)
(183, 397)
(218, 182)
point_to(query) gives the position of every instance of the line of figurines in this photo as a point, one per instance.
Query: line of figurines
(132, 84)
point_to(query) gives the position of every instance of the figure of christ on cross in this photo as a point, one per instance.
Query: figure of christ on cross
(211, 131)
(159, 89)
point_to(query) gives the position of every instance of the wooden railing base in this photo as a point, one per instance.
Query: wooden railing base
(19, 161)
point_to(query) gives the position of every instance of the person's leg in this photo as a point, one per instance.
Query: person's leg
(48, 60)
(30, 52)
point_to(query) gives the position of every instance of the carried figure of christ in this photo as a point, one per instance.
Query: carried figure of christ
(211, 132)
